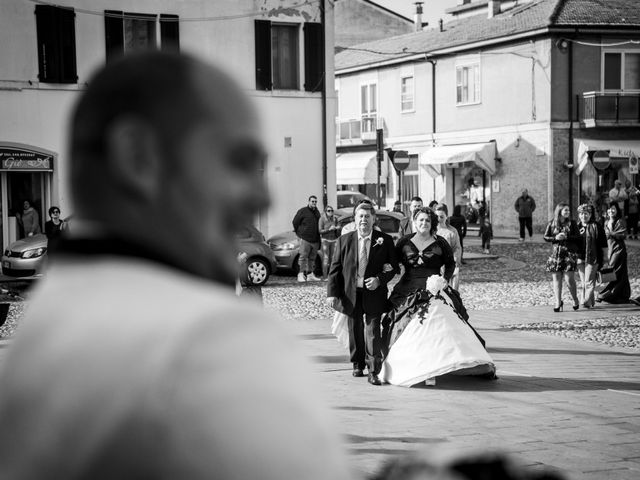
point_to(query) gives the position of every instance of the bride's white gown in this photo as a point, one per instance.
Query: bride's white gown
(435, 343)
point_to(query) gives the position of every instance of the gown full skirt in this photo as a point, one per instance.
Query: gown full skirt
(435, 341)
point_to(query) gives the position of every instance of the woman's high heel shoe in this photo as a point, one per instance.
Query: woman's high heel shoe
(576, 307)
(560, 308)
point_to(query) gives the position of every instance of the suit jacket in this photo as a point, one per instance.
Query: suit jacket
(343, 273)
(127, 368)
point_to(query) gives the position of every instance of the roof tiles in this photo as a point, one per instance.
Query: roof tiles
(524, 18)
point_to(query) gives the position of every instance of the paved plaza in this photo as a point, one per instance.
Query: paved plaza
(560, 403)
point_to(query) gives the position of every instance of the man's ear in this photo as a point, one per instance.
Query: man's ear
(134, 157)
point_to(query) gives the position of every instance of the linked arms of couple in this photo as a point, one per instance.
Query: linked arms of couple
(370, 283)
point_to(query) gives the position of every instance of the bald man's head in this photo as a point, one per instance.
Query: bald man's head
(166, 144)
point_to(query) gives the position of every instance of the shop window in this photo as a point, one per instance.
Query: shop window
(406, 94)
(126, 32)
(56, 38)
(468, 84)
(278, 57)
(621, 71)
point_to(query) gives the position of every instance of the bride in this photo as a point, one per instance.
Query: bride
(427, 331)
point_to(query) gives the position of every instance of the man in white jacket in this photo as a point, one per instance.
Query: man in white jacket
(136, 359)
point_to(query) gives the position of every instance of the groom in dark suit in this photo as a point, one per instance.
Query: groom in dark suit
(358, 288)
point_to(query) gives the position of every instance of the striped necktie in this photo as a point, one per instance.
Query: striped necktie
(362, 257)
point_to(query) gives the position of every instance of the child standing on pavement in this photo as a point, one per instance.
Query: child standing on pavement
(485, 234)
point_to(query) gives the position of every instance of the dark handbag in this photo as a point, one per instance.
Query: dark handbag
(606, 275)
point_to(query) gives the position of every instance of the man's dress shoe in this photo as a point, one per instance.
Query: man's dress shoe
(374, 380)
(357, 372)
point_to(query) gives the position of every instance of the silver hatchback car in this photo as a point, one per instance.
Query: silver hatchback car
(26, 257)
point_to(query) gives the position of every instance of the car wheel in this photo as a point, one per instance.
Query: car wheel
(257, 271)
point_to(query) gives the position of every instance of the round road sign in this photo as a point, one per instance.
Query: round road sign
(601, 159)
(401, 160)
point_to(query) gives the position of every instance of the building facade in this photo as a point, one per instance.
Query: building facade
(281, 54)
(519, 95)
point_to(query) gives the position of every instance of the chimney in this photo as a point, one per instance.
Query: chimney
(493, 8)
(417, 18)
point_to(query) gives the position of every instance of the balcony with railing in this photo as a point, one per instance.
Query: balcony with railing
(609, 109)
(358, 131)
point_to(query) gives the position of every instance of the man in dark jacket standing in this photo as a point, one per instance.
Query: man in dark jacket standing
(305, 224)
(525, 205)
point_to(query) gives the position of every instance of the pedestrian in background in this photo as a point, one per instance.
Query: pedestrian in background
(29, 219)
(633, 214)
(618, 194)
(329, 233)
(486, 234)
(618, 290)
(450, 234)
(397, 207)
(525, 206)
(305, 225)
(589, 254)
(562, 232)
(136, 359)
(406, 224)
(458, 222)
(54, 227)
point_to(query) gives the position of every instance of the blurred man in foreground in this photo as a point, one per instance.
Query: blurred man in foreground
(136, 359)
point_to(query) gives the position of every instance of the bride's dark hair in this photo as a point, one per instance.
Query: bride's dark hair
(433, 218)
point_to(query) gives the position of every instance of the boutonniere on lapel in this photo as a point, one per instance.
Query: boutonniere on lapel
(379, 241)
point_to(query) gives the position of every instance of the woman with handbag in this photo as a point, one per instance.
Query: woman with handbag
(617, 290)
(563, 234)
(590, 256)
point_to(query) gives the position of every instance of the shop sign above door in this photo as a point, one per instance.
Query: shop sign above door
(17, 157)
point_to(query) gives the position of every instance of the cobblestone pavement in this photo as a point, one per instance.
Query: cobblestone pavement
(565, 401)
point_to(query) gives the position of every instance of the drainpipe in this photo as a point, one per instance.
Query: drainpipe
(570, 113)
(324, 106)
(433, 109)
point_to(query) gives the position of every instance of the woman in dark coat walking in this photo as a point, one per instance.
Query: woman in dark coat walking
(618, 290)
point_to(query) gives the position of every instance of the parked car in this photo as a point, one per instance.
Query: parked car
(349, 199)
(260, 262)
(286, 245)
(26, 257)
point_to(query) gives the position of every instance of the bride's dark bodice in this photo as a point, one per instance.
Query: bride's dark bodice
(420, 265)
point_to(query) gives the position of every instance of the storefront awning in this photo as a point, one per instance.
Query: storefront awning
(482, 154)
(616, 149)
(358, 168)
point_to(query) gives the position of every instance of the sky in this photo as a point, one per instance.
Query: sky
(432, 9)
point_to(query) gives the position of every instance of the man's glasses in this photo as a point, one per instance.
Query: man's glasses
(329, 211)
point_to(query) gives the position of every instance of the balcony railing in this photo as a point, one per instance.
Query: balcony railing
(355, 131)
(609, 109)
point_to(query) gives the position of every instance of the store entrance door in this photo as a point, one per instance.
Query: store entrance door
(25, 176)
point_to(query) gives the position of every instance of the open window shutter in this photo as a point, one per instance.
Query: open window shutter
(169, 33)
(313, 57)
(68, 70)
(114, 33)
(263, 54)
(48, 70)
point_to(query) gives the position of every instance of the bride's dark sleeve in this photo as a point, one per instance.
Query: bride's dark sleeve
(448, 259)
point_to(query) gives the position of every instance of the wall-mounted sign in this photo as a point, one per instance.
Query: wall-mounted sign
(601, 159)
(14, 157)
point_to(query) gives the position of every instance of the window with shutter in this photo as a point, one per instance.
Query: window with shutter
(56, 38)
(169, 33)
(313, 57)
(126, 31)
(263, 54)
